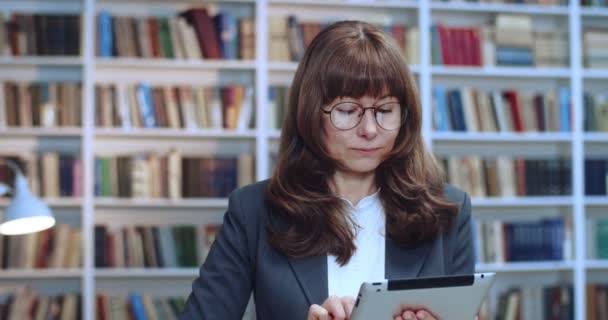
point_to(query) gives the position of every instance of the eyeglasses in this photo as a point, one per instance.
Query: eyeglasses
(347, 115)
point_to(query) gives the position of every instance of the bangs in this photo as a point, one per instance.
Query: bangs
(363, 70)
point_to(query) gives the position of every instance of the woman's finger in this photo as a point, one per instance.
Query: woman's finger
(334, 307)
(348, 303)
(424, 315)
(316, 312)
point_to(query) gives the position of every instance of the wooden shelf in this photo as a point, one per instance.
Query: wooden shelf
(41, 132)
(173, 133)
(161, 203)
(596, 137)
(599, 265)
(500, 8)
(597, 201)
(52, 202)
(390, 4)
(599, 74)
(510, 137)
(541, 266)
(40, 273)
(594, 12)
(545, 202)
(64, 61)
(524, 72)
(141, 63)
(110, 273)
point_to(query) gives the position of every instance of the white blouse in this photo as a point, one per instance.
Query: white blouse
(367, 264)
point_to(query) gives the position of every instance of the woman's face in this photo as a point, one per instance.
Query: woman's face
(362, 148)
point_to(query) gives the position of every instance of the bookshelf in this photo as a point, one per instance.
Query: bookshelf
(261, 73)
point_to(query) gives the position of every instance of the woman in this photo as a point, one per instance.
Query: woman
(355, 196)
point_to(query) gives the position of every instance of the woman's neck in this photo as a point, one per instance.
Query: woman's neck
(353, 186)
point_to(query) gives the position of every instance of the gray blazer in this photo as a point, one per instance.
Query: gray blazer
(241, 260)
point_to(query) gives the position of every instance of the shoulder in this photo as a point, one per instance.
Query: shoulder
(454, 194)
(252, 194)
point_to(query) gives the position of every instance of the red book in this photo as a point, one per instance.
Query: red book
(520, 167)
(475, 38)
(445, 48)
(153, 37)
(205, 31)
(513, 100)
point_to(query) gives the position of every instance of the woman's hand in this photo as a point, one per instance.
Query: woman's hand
(334, 308)
(411, 314)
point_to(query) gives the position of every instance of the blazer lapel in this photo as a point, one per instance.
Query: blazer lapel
(311, 273)
(403, 263)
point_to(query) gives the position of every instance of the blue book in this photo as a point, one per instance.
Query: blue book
(146, 107)
(137, 303)
(105, 34)
(435, 46)
(514, 56)
(564, 109)
(442, 116)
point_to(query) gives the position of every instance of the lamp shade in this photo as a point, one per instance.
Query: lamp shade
(26, 213)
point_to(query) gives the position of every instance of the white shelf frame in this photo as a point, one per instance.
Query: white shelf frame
(90, 65)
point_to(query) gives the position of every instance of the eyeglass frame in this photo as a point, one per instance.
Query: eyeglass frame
(375, 109)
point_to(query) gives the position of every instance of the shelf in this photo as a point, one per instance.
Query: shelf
(173, 133)
(596, 137)
(53, 203)
(146, 273)
(350, 3)
(532, 201)
(64, 61)
(274, 134)
(598, 201)
(529, 137)
(597, 265)
(141, 63)
(293, 66)
(500, 8)
(40, 274)
(41, 132)
(161, 203)
(594, 12)
(523, 72)
(595, 74)
(174, 1)
(541, 266)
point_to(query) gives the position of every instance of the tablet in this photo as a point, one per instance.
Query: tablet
(449, 297)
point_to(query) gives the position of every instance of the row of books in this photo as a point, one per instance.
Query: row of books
(597, 301)
(278, 97)
(24, 303)
(596, 112)
(139, 246)
(472, 110)
(40, 104)
(539, 2)
(548, 239)
(512, 41)
(509, 177)
(193, 34)
(39, 34)
(554, 302)
(595, 53)
(49, 174)
(595, 3)
(171, 176)
(192, 107)
(597, 238)
(138, 306)
(596, 177)
(289, 38)
(55, 248)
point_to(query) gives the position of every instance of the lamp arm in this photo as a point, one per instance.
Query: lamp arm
(11, 164)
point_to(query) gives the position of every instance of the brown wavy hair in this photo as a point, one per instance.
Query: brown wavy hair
(352, 59)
